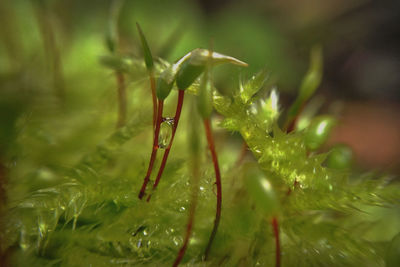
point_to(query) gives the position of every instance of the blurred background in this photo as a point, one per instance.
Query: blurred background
(360, 39)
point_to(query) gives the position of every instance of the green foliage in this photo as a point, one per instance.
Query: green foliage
(74, 179)
(393, 252)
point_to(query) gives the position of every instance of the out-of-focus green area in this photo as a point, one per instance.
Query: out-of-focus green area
(55, 46)
(66, 170)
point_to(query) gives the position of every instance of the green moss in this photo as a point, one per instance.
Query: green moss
(73, 179)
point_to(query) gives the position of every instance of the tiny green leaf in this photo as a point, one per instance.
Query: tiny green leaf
(318, 131)
(222, 104)
(148, 58)
(253, 85)
(266, 111)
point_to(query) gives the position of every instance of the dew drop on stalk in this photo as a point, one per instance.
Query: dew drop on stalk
(23, 243)
(165, 132)
(214, 189)
(176, 241)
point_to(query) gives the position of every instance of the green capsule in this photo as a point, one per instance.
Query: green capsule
(168, 77)
(340, 157)
(204, 101)
(195, 64)
(202, 56)
(148, 58)
(163, 87)
(313, 77)
(310, 82)
(392, 258)
(194, 133)
(260, 189)
(317, 133)
(187, 74)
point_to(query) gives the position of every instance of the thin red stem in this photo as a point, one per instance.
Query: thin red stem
(153, 96)
(275, 227)
(4, 255)
(292, 124)
(121, 99)
(52, 52)
(179, 105)
(211, 146)
(192, 211)
(154, 150)
(3, 183)
(242, 155)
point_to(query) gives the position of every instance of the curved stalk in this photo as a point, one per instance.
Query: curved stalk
(291, 122)
(154, 150)
(179, 105)
(153, 96)
(275, 227)
(192, 211)
(195, 155)
(51, 49)
(121, 99)
(242, 155)
(211, 146)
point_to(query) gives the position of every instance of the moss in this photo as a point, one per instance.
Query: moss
(73, 179)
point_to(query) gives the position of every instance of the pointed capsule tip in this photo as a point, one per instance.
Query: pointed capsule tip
(148, 58)
(240, 63)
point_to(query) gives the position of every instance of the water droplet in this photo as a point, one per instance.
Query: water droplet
(176, 241)
(23, 243)
(193, 241)
(253, 109)
(215, 189)
(139, 243)
(275, 164)
(165, 132)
